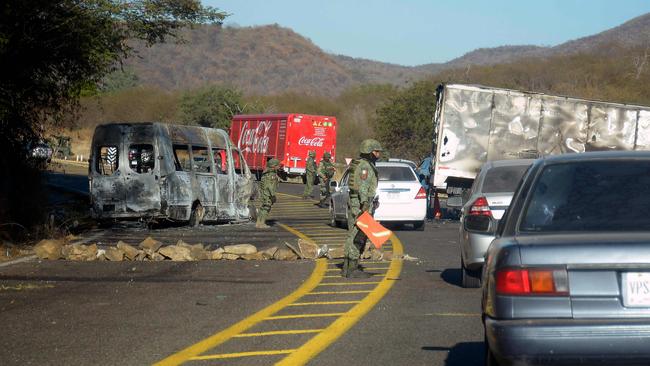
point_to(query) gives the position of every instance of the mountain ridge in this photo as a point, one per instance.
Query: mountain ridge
(272, 59)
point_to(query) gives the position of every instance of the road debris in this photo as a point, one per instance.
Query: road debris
(114, 254)
(335, 253)
(268, 253)
(176, 253)
(240, 249)
(284, 254)
(154, 250)
(79, 252)
(150, 244)
(130, 252)
(49, 249)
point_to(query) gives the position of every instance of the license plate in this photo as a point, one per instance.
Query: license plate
(636, 289)
(393, 195)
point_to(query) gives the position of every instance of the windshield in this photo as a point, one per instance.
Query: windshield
(396, 174)
(590, 196)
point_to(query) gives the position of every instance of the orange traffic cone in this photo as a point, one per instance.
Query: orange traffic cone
(437, 213)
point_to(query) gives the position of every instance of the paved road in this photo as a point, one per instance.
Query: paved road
(126, 313)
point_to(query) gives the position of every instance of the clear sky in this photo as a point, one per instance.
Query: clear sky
(415, 32)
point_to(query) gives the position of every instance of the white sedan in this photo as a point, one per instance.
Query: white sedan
(402, 199)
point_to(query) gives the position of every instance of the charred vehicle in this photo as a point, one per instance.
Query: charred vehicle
(181, 173)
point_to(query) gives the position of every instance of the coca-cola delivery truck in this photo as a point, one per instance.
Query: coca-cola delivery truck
(287, 137)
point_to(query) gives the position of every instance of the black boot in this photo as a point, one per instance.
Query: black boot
(345, 267)
(355, 271)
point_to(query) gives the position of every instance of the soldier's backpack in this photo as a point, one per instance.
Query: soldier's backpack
(352, 182)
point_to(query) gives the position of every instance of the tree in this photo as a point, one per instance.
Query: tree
(118, 80)
(51, 51)
(404, 124)
(215, 106)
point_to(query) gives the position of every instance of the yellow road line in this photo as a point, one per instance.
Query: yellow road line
(278, 332)
(374, 275)
(324, 303)
(296, 233)
(322, 340)
(347, 283)
(242, 354)
(365, 269)
(300, 316)
(218, 338)
(362, 263)
(339, 292)
(325, 234)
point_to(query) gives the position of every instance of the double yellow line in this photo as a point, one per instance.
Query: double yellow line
(324, 337)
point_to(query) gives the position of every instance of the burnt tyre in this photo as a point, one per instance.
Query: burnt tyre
(197, 215)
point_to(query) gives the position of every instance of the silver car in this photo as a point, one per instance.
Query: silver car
(489, 197)
(567, 279)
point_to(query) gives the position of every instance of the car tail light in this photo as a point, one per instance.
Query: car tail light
(422, 194)
(480, 207)
(532, 281)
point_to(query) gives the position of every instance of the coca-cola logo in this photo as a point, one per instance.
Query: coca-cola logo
(256, 139)
(314, 142)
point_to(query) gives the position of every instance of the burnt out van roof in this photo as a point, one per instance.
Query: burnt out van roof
(146, 131)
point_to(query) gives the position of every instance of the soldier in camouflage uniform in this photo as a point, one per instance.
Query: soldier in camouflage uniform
(310, 175)
(268, 188)
(363, 186)
(326, 172)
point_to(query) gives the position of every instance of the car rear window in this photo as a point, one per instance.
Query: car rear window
(590, 196)
(503, 178)
(396, 174)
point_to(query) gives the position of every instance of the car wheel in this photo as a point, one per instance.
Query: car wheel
(333, 222)
(418, 225)
(469, 278)
(490, 360)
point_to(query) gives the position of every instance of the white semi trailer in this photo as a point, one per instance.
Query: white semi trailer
(474, 124)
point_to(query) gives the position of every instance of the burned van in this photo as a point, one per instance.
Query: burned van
(155, 170)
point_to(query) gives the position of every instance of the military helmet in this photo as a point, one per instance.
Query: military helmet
(312, 153)
(327, 155)
(370, 145)
(272, 163)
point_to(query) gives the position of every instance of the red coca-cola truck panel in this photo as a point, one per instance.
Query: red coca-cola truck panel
(286, 137)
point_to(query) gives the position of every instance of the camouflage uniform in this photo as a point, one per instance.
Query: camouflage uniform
(310, 175)
(363, 186)
(268, 188)
(326, 172)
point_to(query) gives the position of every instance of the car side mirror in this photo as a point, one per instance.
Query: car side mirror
(334, 184)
